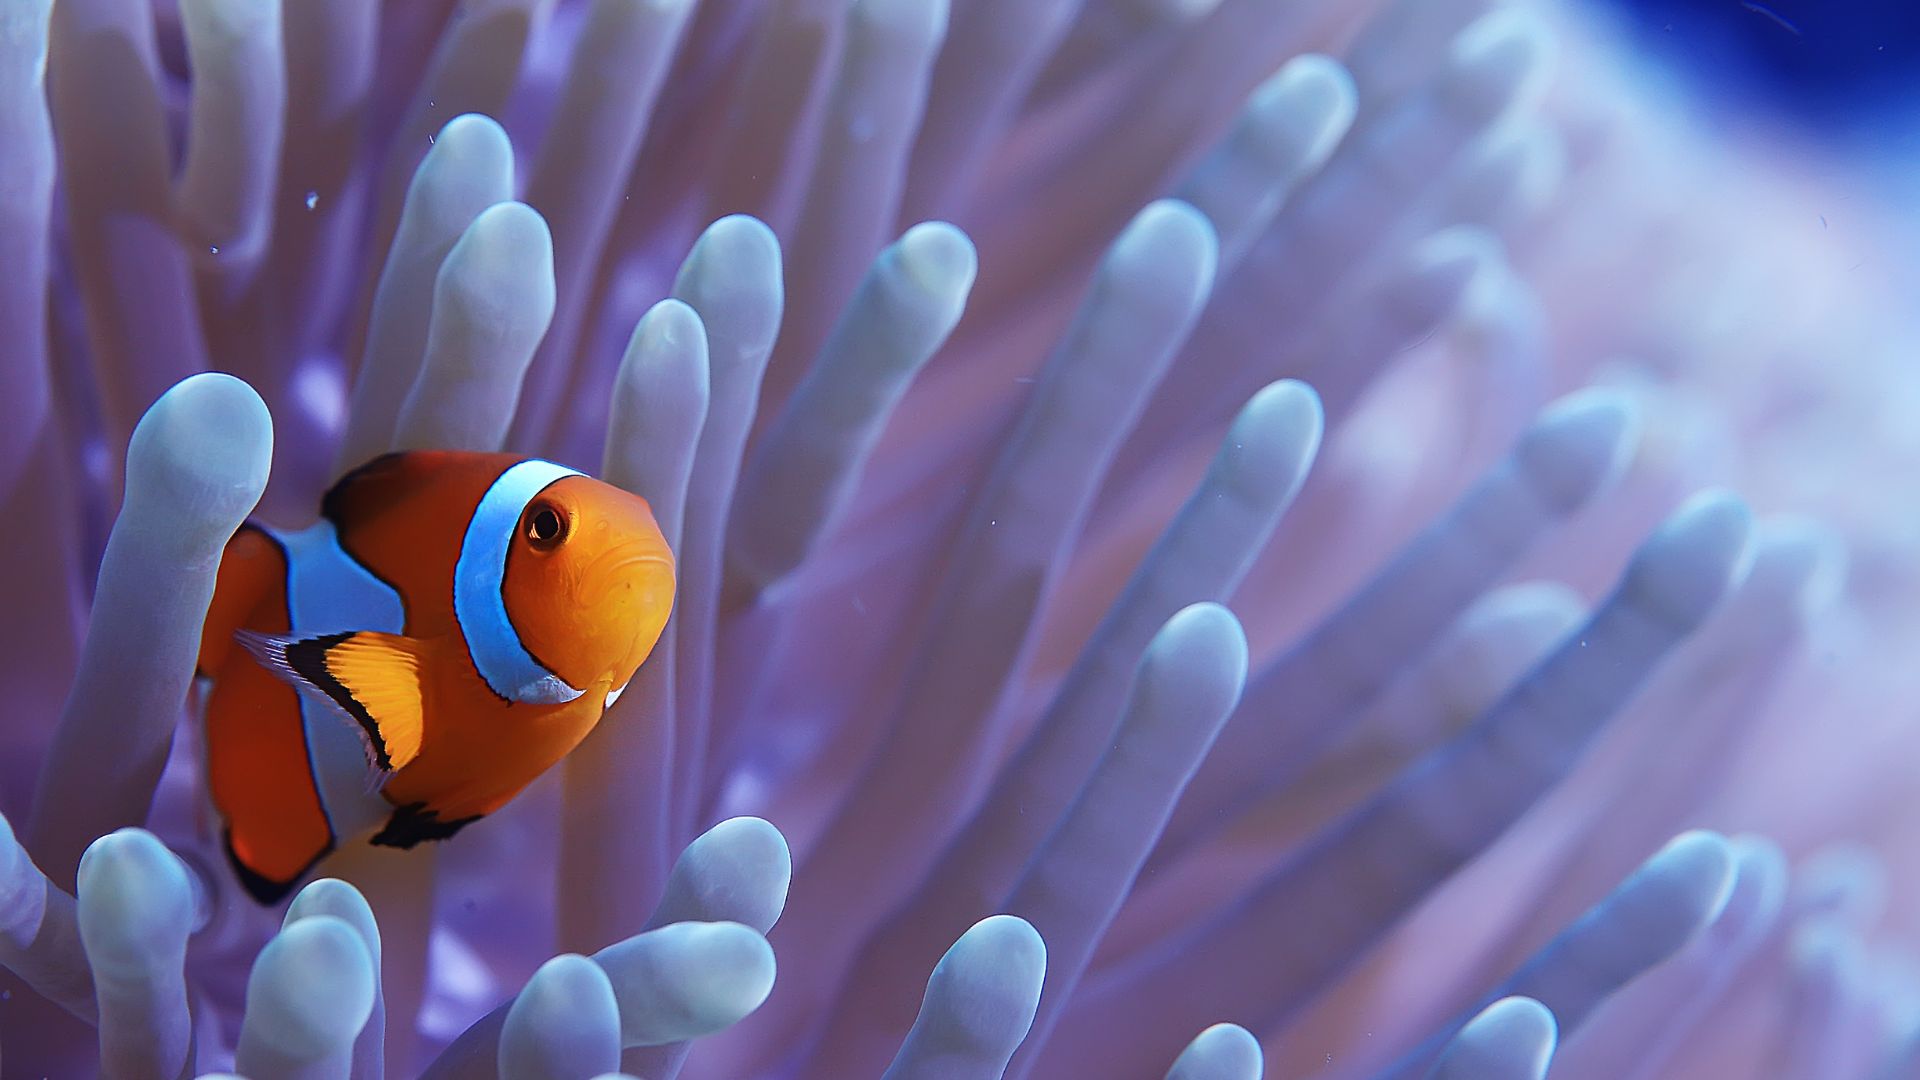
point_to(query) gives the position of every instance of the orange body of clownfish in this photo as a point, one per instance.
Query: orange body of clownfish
(453, 624)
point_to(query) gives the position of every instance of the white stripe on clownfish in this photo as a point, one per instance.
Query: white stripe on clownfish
(478, 601)
(329, 592)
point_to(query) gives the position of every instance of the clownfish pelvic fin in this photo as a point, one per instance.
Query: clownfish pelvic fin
(373, 678)
(416, 823)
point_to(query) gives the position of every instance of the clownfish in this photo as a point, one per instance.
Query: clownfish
(453, 624)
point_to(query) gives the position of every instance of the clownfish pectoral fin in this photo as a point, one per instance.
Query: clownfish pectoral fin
(374, 678)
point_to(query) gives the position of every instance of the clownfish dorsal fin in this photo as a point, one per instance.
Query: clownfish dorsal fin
(374, 678)
(380, 483)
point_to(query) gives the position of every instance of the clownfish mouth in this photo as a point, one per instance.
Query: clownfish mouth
(622, 561)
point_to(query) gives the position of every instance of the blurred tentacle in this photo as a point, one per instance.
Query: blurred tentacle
(763, 158)
(1110, 40)
(1188, 682)
(1827, 966)
(1390, 314)
(853, 194)
(1394, 54)
(1843, 882)
(933, 759)
(1507, 178)
(399, 887)
(330, 54)
(492, 302)
(1286, 131)
(1295, 706)
(614, 76)
(136, 909)
(1404, 307)
(1645, 920)
(1353, 213)
(104, 95)
(1486, 650)
(733, 279)
(1511, 1039)
(979, 1005)
(40, 932)
(617, 841)
(475, 66)
(1500, 340)
(224, 194)
(1356, 878)
(310, 993)
(804, 468)
(1505, 634)
(1653, 772)
(408, 35)
(1201, 556)
(1380, 180)
(992, 54)
(196, 466)
(1222, 1052)
(1042, 219)
(564, 1023)
(802, 475)
(26, 240)
(468, 169)
(1636, 1033)
(729, 885)
(737, 871)
(44, 577)
(336, 898)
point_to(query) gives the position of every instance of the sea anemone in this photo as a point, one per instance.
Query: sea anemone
(1042, 696)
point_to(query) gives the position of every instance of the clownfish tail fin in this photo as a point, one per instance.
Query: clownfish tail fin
(373, 678)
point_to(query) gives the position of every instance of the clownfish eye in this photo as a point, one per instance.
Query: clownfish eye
(545, 527)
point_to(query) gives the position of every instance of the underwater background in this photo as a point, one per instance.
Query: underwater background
(1217, 538)
(1840, 71)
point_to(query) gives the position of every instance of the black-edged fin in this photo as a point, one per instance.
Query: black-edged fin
(263, 889)
(335, 503)
(374, 678)
(389, 480)
(414, 823)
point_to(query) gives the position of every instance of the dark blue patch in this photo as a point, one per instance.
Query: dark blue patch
(1846, 67)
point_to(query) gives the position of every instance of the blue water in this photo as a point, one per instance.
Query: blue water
(1849, 68)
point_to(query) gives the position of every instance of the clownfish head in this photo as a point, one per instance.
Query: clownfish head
(588, 582)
